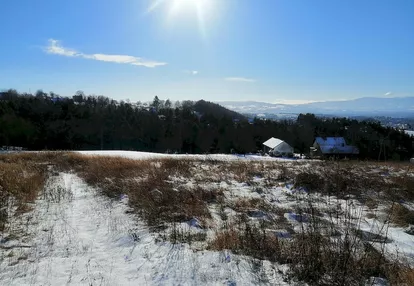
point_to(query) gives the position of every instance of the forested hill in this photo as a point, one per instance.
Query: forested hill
(47, 121)
(215, 110)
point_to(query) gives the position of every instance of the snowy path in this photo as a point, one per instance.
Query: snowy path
(78, 237)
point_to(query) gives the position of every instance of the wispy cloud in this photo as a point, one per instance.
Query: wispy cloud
(240, 79)
(56, 48)
(191, 72)
(388, 93)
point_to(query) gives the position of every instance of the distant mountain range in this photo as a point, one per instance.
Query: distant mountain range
(366, 106)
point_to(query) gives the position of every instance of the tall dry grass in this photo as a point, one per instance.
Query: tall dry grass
(22, 176)
(149, 188)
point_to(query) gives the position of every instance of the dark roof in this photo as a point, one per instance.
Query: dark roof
(330, 141)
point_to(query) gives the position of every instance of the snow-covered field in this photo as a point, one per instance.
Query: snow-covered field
(83, 238)
(75, 235)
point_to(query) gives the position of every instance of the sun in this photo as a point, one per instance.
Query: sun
(178, 6)
(182, 5)
(184, 9)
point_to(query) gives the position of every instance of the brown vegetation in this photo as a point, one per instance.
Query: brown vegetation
(252, 241)
(149, 188)
(21, 179)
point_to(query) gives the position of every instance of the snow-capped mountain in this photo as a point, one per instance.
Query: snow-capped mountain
(397, 106)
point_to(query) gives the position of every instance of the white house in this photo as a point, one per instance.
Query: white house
(277, 147)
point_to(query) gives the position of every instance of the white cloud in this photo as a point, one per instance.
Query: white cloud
(191, 72)
(388, 94)
(56, 48)
(240, 79)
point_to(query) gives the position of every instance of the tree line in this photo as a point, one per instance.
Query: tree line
(46, 121)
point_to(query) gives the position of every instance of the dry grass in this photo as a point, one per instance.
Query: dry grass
(366, 182)
(246, 204)
(165, 204)
(250, 240)
(345, 260)
(402, 188)
(227, 239)
(148, 185)
(400, 215)
(403, 276)
(245, 172)
(313, 256)
(22, 176)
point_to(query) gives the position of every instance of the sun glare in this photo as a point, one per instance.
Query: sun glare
(181, 5)
(184, 9)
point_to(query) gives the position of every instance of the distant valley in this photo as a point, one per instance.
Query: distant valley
(366, 106)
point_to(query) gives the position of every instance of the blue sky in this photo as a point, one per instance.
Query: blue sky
(263, 50)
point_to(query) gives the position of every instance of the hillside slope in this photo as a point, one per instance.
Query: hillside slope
(216, 110)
